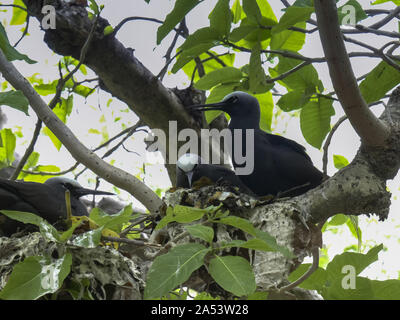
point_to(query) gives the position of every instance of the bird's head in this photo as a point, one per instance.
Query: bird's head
(237, 104)
(73, 186)
(187, 163)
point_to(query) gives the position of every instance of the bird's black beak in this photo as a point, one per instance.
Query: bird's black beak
(211, 106)
(79, 192)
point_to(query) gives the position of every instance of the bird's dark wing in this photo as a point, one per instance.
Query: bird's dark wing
(285, 142)
(32, 197)
(291, 162)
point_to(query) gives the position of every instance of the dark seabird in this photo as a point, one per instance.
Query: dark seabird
(190, 169)
(47, 200)
(281, 165)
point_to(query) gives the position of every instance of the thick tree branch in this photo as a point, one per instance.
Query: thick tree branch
(370, 129)
(112, 174)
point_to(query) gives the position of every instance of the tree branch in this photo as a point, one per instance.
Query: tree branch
(112, 174)
(370, 129)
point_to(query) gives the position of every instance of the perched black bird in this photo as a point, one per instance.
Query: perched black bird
(47, 200)
(281, 166)
(190, 169)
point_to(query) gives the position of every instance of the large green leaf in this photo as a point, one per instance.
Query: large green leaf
(266, 107)
(305, 79)
(292, 16)
(315, 120)
(7, 146)
(379, 81)
(206, 35)
(114, 222)
(234, 274)
(174, 268)
(181, 8)
(11, 53)
(293, 100)
(46, 229)
(221, 17)
(36, 276)
(218, 76)
(357, 260)
(288, 39)
(14, 99)
(237, 12)
(203, 232)
(386, 290)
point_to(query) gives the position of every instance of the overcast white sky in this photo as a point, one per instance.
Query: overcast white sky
(141, 35)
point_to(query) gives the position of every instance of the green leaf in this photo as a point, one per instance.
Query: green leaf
(181, 8)
(189, 54)
(62, 111)
(203, 232)
(292, 16)
(237, 12)
(89, 239)
(271, 242)
(11, 53)
(239, 223)
(46, 229)
(14, 99)
(344, 13)
(108, 30)
(221, 17)
(181, 214)
(233, 274)
(222, 75)
(252, 10)
(256, 244)
(266, 107)
(205, 35)
(315, 119)
(305, 79)
(288, 39)
(315, 282)
(113, 222)
(379, 81)
(174, 268)
(7, 146)
(209, 65)
(18, 15)
(339, 161)
(241, 32)
(94, 6)
(257, 77)
(336, 290)
(293, 100)
(386, 290)
(338, 219)
(357, 260)
(36, 276)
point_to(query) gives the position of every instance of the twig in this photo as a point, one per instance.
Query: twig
(328, 142)
(314, 266)
(25, 31)
(131, 242)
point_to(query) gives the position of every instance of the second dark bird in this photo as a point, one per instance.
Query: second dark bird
(190, 169)
(46, 200)
(281, 165)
